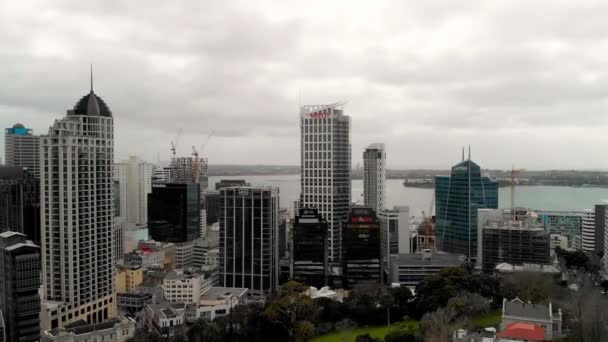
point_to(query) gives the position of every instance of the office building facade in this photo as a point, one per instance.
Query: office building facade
(588, 231)
(565, 223)
(19, 284)
(361, 258)
(135, 181)
(77, 215)
(600, 224)
(374, 177)
(21, 149)
(173, 212)
(457, 199)
(249, 239)
(310, 248)
(326, 167)
(20, 202)
(395, 235)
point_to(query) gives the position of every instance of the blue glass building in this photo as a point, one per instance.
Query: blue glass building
(457, 199)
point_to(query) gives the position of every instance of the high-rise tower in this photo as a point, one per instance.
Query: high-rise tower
(249, 246)
(77, 215)
(19, 284)
(458, 197)
(21, 149)
(135, 180)
(326, 167)
(374, 177)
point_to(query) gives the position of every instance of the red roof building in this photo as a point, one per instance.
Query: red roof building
(523, 331)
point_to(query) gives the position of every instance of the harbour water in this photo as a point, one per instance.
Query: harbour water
(418, 199)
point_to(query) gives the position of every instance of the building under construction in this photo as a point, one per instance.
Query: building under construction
(514, 239)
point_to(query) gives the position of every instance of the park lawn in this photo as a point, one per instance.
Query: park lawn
(491, 319)
(349, 336)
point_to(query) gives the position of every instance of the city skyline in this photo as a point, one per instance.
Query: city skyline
(416, 76)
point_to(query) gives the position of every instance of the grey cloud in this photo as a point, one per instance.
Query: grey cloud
(423, 76)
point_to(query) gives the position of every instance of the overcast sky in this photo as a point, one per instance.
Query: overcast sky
(523, 82)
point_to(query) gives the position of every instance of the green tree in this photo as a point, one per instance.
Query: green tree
(304, 331)
(205, 331)
(402, 297)
(291, 308)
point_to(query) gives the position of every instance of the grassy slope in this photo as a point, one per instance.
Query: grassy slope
(349, 336)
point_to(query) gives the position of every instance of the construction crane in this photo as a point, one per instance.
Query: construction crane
(200, 163)
(427, 241)
(513, 174)
(175, 141)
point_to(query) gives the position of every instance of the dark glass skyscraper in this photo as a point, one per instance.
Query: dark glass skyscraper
(361, 251)
(19, 284)
(310, 248)
(173, 212)
(20, 202)
(249, 253)
(457, 199)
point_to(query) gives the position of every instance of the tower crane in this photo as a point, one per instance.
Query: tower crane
(513, 174)
(175, 141)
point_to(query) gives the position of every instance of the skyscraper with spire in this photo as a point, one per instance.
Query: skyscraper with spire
(77, 215)
(457, 199)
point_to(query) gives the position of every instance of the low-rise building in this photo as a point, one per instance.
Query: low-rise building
(185, 286)
(131, 303)
(152, 255)
(128, 278)
(557, 240)
(166, 319)
(216, 302)
(518, 311)
(184, 256)
(522, 332)
(112, 330)
(410, 269)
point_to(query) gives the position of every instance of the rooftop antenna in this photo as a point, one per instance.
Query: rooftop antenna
(91, 77)
(462, 153)
(469, 152)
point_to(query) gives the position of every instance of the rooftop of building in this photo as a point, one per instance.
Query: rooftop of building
(375, 146)
(11, 241)
(178, 274)
(168, 310)
(134, 295)
(81, 327)
(11, 172)
(526, 267)
(519, 308)
(429, 258)
(19, 129)
(217, 293)
(523, 331)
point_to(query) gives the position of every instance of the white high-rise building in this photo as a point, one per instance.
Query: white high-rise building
(588, 231)
(77, 216)
(135, 182)
(326, 167)
(374, 177)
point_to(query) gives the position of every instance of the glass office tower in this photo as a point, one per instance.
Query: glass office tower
(457, 199)
(173, 212)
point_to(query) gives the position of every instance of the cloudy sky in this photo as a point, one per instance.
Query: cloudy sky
(522, 82)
